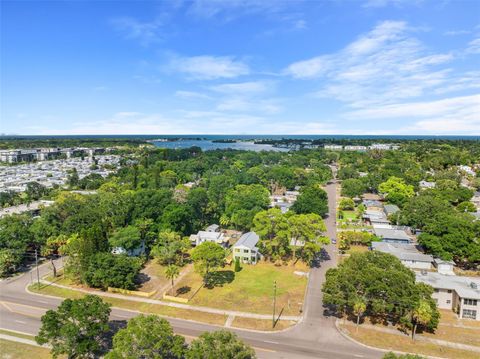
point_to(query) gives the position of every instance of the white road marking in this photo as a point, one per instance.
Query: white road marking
(269, 341)
(21, 322)
(358, 355)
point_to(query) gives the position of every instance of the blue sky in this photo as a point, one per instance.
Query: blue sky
(240, 67)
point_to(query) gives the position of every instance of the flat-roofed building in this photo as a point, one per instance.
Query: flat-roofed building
(459, 293)
(408, 254)
(389, 235)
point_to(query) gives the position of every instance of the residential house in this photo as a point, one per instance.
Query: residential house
(245, 249)
(213, 228)
(408, 254)
(375, 217)
(426, 185)
(459, 293)
(390, 209)
(443, 266)
(389, 235)
(135, 252)
(205, 236)
(333, 147)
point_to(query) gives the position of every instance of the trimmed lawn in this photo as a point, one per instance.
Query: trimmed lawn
(403, 343)
(349, 215)
(161, 310)
(250, 290)
(260, 324)
(357, 249)
(14, 350)
(18, 335)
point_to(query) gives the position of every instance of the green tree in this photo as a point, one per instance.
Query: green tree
(272, 227)
(128, 238)
(147, 336)
(421, 316)
(8, 261)
(221, 344)
(359, 307)
(207, 257)
(170, 248)
(73, 178)
(311, 200)
(396, 190)
(307, 228)
(109, 270)
(76, 327)
(238, 267)
(171, 273)
(346, 204)
(391, 355)
(243, 202)
(353, 187)
(466, 207)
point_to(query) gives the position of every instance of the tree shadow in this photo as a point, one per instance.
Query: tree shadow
(142, 278)
(219, 278)
(183, 290)
(106, 340)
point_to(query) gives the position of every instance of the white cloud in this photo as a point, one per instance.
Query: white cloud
(474, 46)
(191, 95)
(208, 67)
(241, 87)
(456, 32)
(145, 32)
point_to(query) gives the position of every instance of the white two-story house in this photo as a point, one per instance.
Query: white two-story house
(245, 249)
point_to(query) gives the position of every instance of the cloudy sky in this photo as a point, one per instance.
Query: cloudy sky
(240, 67)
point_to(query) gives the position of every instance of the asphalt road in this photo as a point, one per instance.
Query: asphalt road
(314, 337)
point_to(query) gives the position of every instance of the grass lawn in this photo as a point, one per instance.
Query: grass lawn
(349, 216)
(251, 289)
(161, 310)
(403, 343)
(260, 324)
(14, 350)
(357, 249)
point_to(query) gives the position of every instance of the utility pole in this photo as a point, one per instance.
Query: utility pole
(36, 263)
(274, 302)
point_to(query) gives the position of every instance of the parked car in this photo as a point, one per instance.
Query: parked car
(334, 241)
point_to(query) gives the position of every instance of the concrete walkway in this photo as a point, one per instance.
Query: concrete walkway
(419, 337)
(22, 340)
(175, 305)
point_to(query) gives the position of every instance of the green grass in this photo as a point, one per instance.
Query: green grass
(349, 215)
(14, 350)
(252, 289)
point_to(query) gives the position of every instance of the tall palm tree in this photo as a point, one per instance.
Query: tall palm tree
(171, 273)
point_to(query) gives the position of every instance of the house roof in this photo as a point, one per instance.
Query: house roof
(407, 252)
(212, 228)
(391, 208)
(464, 286)
(248, 240)
(210, 236)
(391, 233)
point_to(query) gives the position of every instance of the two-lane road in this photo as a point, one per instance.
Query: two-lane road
(314, 337)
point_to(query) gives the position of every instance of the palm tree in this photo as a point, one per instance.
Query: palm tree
(359, 308)
(422, 315)
(171, 273)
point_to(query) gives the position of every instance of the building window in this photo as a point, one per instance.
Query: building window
(468, 313)
(436, 290)
(245, 251)
(470, 302)
(449, 291)
(237, 250)
(449, 301)
(245, 259)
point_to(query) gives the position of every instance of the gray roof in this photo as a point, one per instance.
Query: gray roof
(391, 234)
(391, 208)
(464, 286)
(248, 240)
(212, 228)
(406, 252)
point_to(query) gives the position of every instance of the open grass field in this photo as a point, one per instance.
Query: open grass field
(14, 350)
(250, 290)
(404, 343)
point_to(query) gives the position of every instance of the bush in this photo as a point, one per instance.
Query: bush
(347, 204)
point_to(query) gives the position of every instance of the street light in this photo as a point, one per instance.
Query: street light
(274, 302)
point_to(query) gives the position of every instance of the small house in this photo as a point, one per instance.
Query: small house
(245, 249)
(205, 236)
(388, 235)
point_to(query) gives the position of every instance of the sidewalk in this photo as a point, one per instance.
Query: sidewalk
(175, 305)
(21, 340)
